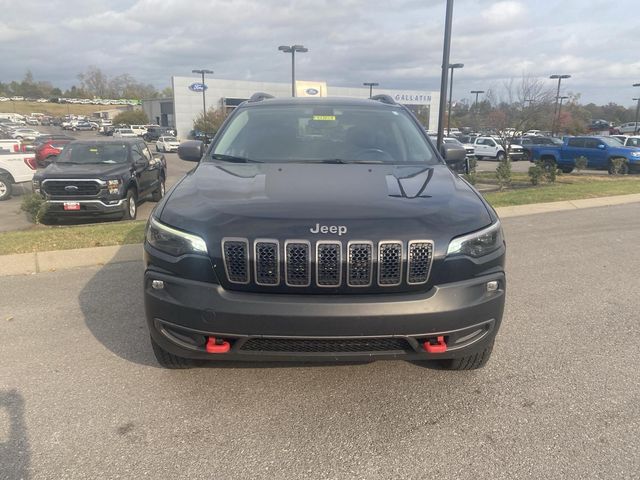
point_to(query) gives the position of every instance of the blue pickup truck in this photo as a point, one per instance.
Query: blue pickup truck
(599, 151)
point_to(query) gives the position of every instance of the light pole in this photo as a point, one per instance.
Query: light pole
(446, 50)
(204, 102)
(370, 85)
(560, 111)
(292, 49)
(555, 109)
(635, 126)
(452, 67)
(475, 105)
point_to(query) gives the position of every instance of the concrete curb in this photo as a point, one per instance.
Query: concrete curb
(30, 263)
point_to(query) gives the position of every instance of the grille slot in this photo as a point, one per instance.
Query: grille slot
(297, 263)
(236, 259)
(420, 257)
(310, 345)
(78, 188)
(329, 264)
(267, 262)
(359, 263)
(389, 263)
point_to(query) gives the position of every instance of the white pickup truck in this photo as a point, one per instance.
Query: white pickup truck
(15, 168)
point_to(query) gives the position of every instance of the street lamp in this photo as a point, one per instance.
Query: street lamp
(370, 85)
(555, 109)
(452, 67)
(475, 105)
(635, 126)
(560, 111)
(446, 50)
(292, 50)
(204, 103)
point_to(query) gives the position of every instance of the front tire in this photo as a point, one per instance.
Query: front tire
(500, 156)
(169, 360)
(131, 206)
(468, 362)
(5, 188)
(623, 170)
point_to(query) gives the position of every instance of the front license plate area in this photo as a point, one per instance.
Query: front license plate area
(71, 206)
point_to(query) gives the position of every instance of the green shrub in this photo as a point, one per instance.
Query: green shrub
(581, 163)
(503, 173)
(131, 117)
(536, 173)
(472, 176)
(619, 166)
(35, 206)
(550, 171)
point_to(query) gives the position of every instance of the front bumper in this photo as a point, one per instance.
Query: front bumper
(519, 155)
(87, 207)
(184, 313)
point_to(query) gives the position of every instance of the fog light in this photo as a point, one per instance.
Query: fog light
(492, 286)
(157, 284)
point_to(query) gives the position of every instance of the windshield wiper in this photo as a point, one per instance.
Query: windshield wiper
(233, 159)
(343, 162)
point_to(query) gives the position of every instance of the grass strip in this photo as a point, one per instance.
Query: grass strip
(45, 238)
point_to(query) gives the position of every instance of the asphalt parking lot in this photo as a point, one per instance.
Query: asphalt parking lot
(82, 397)
(13, 218)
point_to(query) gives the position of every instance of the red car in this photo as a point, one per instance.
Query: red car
(48, 150)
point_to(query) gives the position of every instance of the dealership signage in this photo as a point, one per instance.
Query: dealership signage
(197, 87)
(412, 97)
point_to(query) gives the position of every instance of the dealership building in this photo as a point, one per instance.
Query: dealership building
(185, 106)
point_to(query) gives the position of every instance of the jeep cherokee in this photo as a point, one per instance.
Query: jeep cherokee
(322, 229)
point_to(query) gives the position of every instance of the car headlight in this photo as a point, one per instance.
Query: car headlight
(35, 184)
(635, 154)
(113, 185)
(478, 243)
(172, 241)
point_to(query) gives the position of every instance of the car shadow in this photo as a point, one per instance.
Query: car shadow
(112, 305)
(15, 452)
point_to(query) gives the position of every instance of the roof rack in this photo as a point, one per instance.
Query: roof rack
(384, 99)
(260, 96)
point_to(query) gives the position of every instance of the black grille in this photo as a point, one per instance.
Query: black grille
(420, 255)
(76, 188)
(236, 260)
(390, 263)
(297, 263)
(329, 264)
(353, 345)
(360, 264)
(267, 263)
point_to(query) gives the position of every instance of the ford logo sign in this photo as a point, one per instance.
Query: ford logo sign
(311, 91)
(71, 188)
(197, 87)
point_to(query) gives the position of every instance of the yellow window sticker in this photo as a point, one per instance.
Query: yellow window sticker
(324, 117)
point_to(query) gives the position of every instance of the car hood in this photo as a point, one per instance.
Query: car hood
(374, 202)
(69, 170)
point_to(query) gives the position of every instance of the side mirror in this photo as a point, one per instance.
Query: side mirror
(601, 146)
(455, 158)
(191, 150)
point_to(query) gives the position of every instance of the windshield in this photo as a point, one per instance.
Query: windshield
(169, 139)
(452, 141)
(315, 133)
(612, 142)
(88, 153)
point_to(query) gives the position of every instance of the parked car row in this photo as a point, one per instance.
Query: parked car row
(82, 101)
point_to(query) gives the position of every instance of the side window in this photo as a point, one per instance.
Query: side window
(490, 142)
(136, 155)
(145, 151)
(576, 142)
(591, 143)
(480, 141)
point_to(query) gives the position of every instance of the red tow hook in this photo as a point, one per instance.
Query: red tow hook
(439, 347)
(217, 345)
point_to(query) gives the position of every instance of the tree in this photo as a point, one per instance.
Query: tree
(131, 117)
(212, 123)
(94, 82)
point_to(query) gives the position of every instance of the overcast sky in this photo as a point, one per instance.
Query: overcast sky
(397, 43)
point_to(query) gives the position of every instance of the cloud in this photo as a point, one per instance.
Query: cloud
(397, 43)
